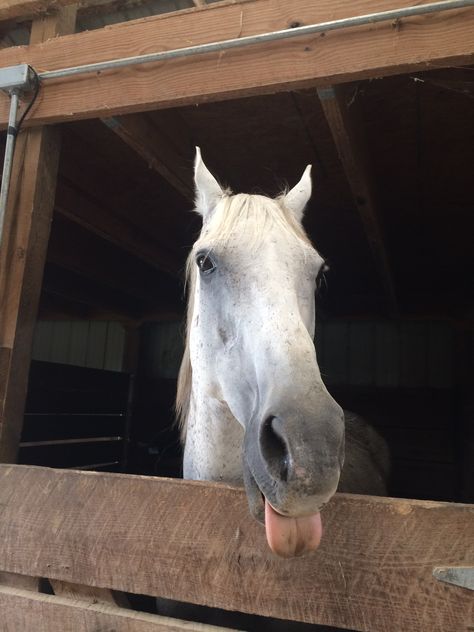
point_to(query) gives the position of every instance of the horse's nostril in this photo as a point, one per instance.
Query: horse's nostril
(274, 449)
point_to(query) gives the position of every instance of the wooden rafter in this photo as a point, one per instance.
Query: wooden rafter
(156, 149)
(82, 210)
(338, 57)
(104, 263)
(351, 147)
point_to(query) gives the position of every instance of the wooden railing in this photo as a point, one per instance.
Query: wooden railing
(196, 542)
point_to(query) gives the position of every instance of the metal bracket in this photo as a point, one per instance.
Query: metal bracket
(16, 78)
(462, 576)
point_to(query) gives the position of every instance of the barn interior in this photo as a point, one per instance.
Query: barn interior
(391, 213)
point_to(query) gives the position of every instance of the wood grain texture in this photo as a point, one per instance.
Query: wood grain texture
(28, 612)
(196, 542)
(349, 138)
(23, 253)
(337, 57)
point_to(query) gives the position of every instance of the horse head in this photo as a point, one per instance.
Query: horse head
(250, 387)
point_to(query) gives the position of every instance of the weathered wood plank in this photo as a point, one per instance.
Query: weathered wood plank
(23, 253)
(196, 542)
(340, 56)
(29, 612)
(13, 580)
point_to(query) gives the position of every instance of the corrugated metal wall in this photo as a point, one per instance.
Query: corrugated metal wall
(385, 354)
(92, 344)
(378, 353)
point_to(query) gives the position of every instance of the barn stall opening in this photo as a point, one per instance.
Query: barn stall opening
(392, 199)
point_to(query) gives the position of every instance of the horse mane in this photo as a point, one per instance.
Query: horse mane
(228, 220)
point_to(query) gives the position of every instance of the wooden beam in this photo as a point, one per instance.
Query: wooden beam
(347, 132)
(23, 253)
(30, 612)
(196, 542)
(75, 249)
(340, 56)
(156, 149)
(81, 209)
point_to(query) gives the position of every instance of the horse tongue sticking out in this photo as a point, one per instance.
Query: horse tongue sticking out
(291, 537)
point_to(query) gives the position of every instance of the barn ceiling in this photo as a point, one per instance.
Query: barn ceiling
(123, 219)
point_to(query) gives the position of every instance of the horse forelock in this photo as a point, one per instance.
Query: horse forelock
(230, 220)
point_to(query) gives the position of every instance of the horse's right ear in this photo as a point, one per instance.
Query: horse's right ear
(208, 190)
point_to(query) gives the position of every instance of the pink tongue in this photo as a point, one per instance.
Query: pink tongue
(289, 537)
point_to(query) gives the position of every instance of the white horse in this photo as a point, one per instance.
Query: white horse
(251, 401)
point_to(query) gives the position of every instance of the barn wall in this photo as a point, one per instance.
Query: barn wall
(386, 354)
(91, 344)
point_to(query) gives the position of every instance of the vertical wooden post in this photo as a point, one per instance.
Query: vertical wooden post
(23, 252)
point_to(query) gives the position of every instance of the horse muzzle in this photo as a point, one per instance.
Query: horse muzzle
(291, 466)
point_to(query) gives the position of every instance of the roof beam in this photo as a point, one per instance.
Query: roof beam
(75, 249)
(81, 210)
(156, 149)
(339, 56)
(351, 146)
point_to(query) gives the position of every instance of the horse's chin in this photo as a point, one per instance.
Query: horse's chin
(287, 536)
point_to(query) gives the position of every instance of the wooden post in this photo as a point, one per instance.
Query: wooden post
(23, 252)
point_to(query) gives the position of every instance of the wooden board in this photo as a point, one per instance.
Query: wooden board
(196, 542)
(337, 57)
(23, 252)
(29, 612)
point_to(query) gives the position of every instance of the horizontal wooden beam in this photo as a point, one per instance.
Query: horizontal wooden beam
(30, 612)
(339, 56)
(196, 542)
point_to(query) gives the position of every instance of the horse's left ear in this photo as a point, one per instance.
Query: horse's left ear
(208, 190)
(296, 199)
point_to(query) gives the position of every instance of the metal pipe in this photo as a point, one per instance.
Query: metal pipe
(8, 160)
(300, 31)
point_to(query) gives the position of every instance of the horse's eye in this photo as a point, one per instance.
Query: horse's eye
(205, 263)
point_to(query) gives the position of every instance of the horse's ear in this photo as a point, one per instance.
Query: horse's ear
(296, 199)
(208, 190)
